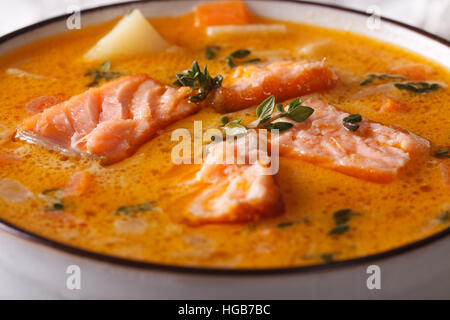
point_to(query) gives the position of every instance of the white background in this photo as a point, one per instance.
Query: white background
(431, 15)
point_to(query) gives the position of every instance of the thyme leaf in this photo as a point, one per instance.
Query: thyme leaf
(418, 87)
(280, 126)
(340, 229)
(211, 51)
(350, 122)
(133, 210)
(442, 153)
(382, 76)
(445, 217)
(239, 55)
(265, 108)
(296, 112)
(341, 218)
(224, 120)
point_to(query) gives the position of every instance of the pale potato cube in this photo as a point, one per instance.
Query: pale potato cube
(131, 36)
(244, 29)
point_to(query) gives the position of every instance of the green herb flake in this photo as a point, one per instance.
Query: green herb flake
(103, 72)
(339, 230)
(224, 120)
(211, 51)
(286, 224)
(418, 87)
(52, 192)
(324, 257)
(235, 58)
(382, 76)
(344, 215)
(230, 63)
(53, 199)
(444, 217)
(249, 61)
(442, 153)
(201, 82)
(265, 108)
(280, 126)
(341, 218)
(133, 210)
(240, 53)
(350, 122)
(55, 205)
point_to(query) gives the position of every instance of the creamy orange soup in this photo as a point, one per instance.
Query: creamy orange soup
(390, 215)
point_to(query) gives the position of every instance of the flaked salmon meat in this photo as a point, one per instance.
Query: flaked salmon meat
(233, 192)
(110, 121)
(251, 84)
(374, 152)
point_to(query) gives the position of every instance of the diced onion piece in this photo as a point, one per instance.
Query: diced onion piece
(243, 29)
(131, 36)
(24, 74)
(312, 49)
(130, 226)
(11, 190)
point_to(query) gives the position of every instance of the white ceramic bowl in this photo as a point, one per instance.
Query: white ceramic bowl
(34, 267)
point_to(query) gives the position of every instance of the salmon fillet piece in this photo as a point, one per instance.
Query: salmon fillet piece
(39, 104)
(235, 192)
(110, 121)
(251, 84)
(375, 152)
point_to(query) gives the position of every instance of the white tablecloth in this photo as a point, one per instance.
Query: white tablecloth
(431, 15)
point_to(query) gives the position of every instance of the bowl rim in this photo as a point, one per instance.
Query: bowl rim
(30, 236)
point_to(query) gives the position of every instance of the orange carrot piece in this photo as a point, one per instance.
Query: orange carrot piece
(413, 71)
(7, 159)
(390, 105)
(221, 13)
(78, 184)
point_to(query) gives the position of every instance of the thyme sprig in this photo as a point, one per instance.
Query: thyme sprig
(201, 82)
(418, 87)
(295, 111)
(103, 72)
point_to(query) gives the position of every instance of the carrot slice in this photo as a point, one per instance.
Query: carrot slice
(221, 13)
(390, 105)
(78, 184)
(413, 71)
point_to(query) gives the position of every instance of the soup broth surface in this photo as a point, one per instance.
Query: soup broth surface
(391, 215)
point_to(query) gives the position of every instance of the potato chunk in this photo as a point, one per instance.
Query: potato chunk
(132, 35)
